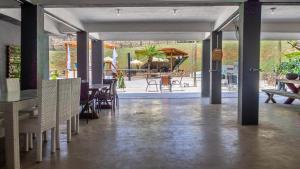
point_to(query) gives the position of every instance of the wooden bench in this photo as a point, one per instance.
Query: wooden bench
(272, 92)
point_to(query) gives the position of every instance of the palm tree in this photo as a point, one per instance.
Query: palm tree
(149, 52)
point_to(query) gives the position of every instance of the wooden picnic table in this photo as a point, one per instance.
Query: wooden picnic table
(293, 85)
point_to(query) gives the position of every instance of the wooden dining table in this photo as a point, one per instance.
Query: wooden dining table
(293, 85)
(10, 104)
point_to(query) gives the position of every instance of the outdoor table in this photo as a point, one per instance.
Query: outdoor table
(97, 86)
(292, 85)
(10, 104)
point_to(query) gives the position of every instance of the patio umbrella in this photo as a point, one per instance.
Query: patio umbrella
(136, 62)
(108, 59)
(73, 44)
(114, 61)
(173, 52)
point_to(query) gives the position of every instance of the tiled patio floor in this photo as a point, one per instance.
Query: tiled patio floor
(180, 134)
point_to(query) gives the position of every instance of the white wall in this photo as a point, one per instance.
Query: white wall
(9, 35)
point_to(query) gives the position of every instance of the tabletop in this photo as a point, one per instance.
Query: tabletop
(17, 96)
(98, 86)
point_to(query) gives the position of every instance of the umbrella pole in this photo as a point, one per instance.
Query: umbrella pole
(171, 62)
(67, 53)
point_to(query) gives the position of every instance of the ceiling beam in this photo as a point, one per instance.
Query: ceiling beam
(225, 19)
(148, 27)
(134, 3)
(131, 36)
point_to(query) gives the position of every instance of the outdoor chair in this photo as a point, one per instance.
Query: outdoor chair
(108, 95)
(151, 82)
(87, 102)
(178, 82)
(165, 82)
(46, 119)
(115, 94)
(63, 111)
(75, 103)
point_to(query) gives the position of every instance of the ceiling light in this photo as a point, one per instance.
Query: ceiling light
(118, 11)
(272, 10)
(175, 11)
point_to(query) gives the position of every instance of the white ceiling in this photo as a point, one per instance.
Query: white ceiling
(282, 13)
(160, 22)
(144, 14)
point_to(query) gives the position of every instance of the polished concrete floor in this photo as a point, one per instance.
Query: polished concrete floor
(180, 134)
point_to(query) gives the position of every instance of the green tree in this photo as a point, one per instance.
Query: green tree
(149, 52)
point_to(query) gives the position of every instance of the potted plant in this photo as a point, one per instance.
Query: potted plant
(54, 75)
(121, 81)
(291, 69)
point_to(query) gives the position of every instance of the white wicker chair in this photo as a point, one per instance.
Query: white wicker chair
(13, 85)
(75, 105)
(63, 111)
(46, 119)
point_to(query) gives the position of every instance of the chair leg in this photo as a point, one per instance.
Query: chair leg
(73, 123)
(39, 149)
(57, 137)
(53, 140)
(113, 105)
(117, 100)
(77, 123)
(30, 141)
(26, 142)
(68, 131)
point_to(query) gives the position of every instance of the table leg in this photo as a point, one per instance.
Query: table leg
(12, 149)
(294, 89)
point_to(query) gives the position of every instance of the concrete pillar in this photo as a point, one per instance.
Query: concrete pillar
(205, 86)
(249, 53)
(215, 70)
(83, 55)
(97, 61)
(34, 49)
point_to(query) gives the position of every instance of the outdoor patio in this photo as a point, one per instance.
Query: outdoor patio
(214, 84)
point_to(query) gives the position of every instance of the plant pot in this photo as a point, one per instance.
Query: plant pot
(291, 76)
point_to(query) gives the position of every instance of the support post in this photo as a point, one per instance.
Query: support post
(34, 49)
(129, 66)
(83, 55)
(205, 86)
(215, 69)
(97, 61)
(249, 54)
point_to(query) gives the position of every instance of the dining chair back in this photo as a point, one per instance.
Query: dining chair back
(64, 95)
(84, 92)
(46, 118)
(13, 85)
(47, 104)
(63, 111)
